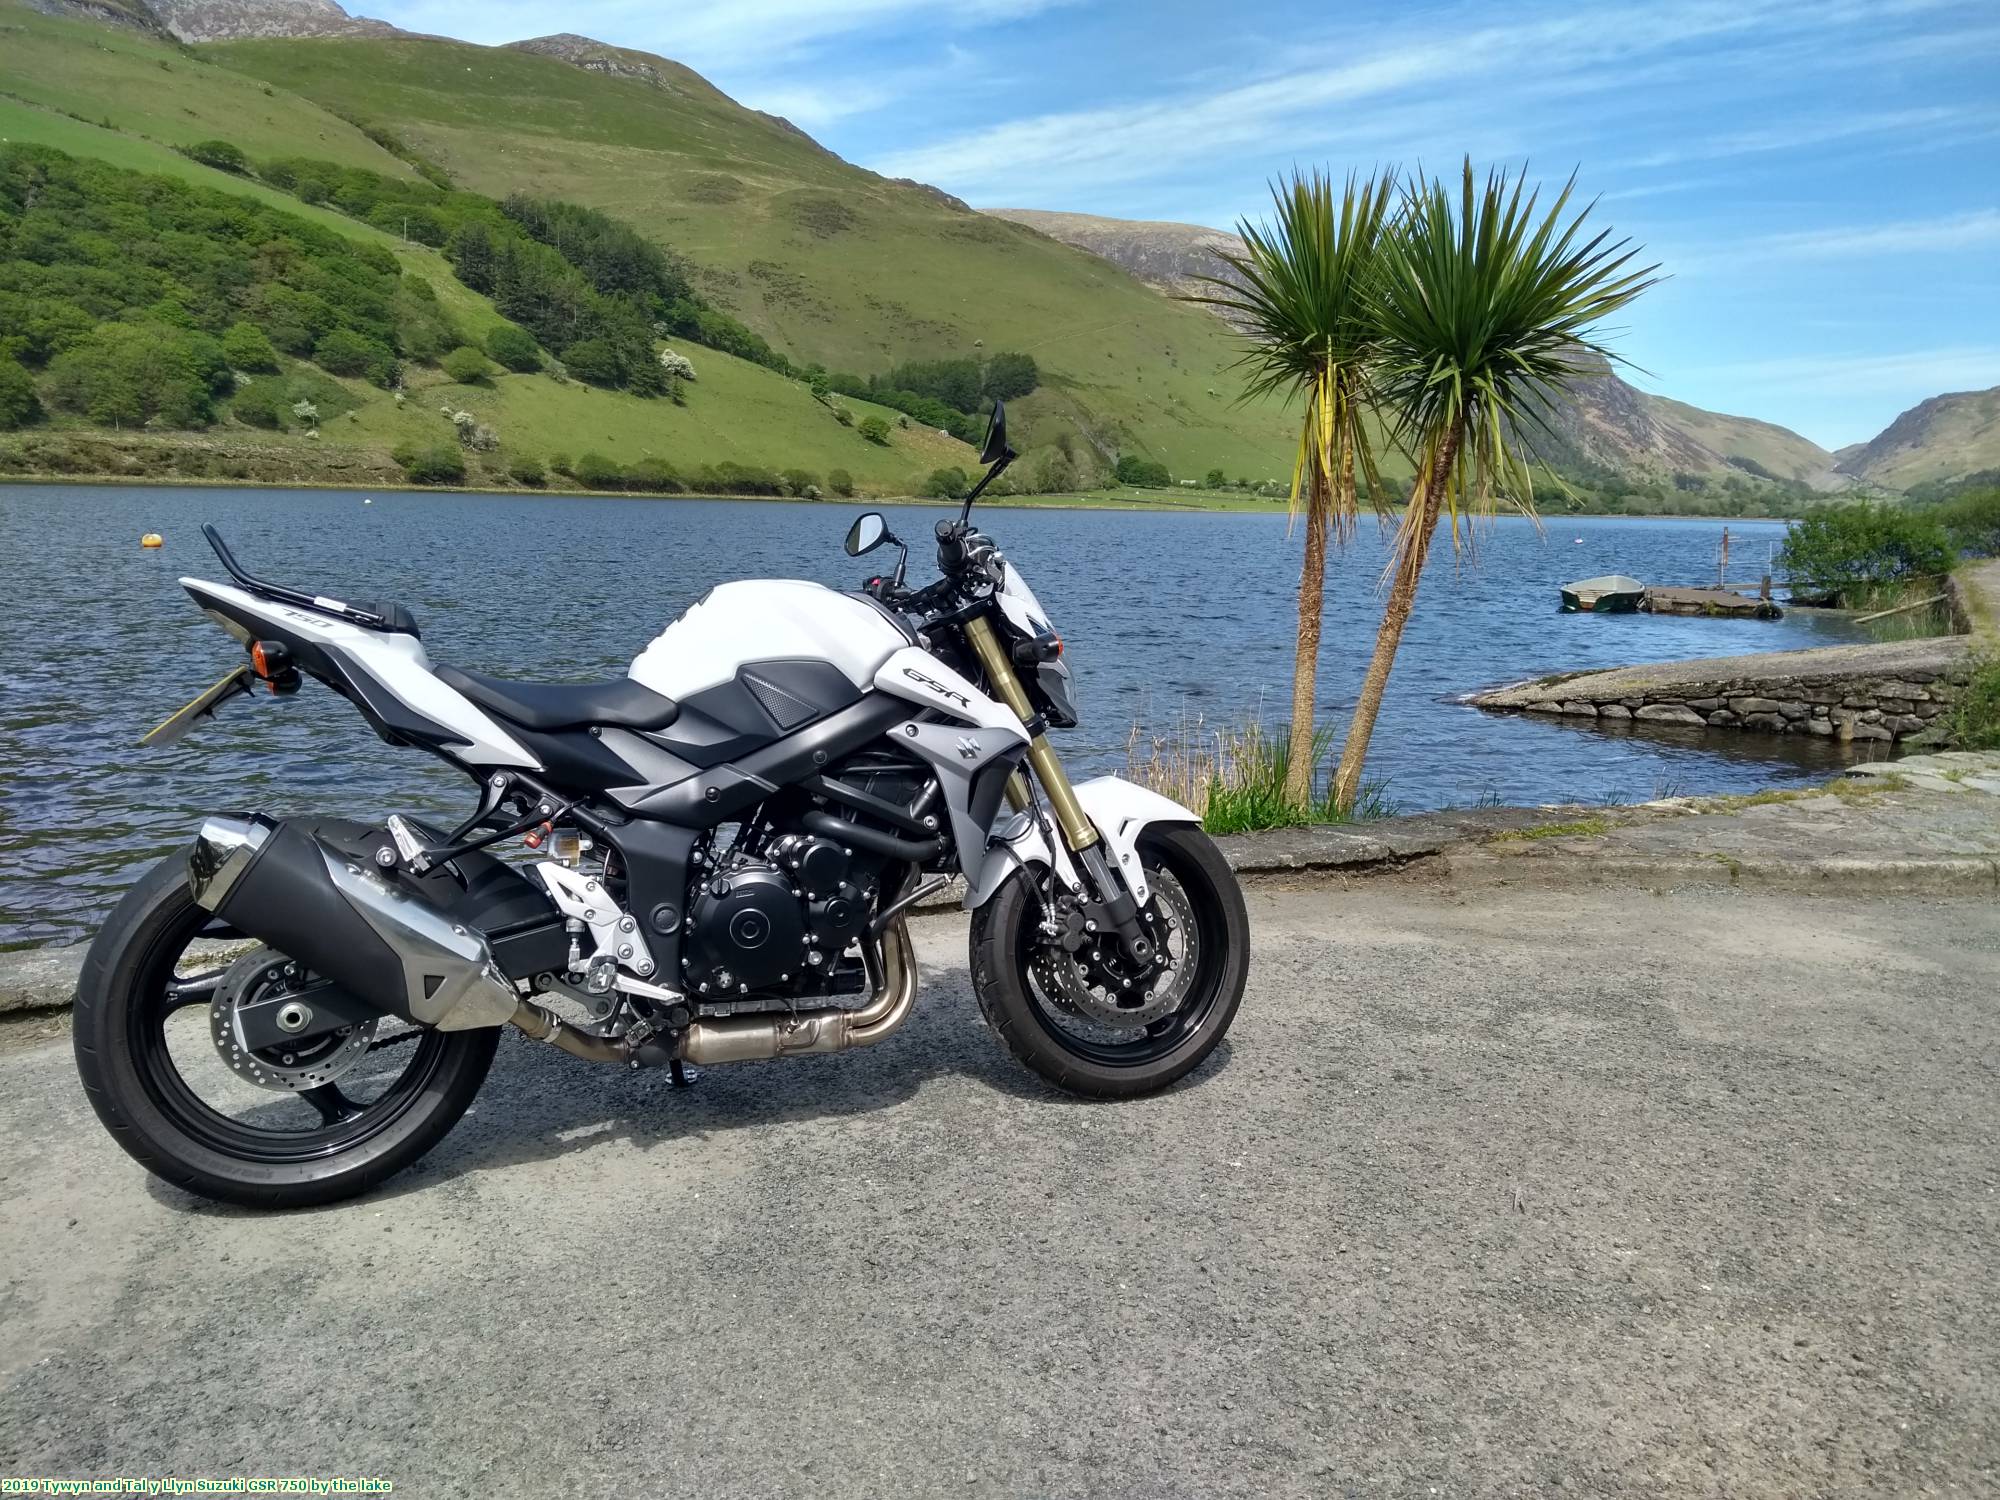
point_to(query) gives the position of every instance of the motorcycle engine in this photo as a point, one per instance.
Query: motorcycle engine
(776, 918)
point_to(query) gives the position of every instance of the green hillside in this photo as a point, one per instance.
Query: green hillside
(831, 263)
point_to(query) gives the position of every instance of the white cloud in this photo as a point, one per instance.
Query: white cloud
(1424, 93)
(1954, 232)
(1925, 372)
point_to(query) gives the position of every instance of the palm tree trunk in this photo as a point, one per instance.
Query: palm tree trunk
(1395, 615)
(1305, 663)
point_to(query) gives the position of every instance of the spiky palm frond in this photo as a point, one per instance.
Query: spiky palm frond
(1299, 293)
(1479, 310)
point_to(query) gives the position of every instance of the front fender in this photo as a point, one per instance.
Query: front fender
(1120, 809)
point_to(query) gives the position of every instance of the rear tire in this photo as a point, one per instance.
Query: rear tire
(128, 1080)
(1006, 930)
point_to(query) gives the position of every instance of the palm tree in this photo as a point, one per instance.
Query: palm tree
(1299, 292)
(1477, 314)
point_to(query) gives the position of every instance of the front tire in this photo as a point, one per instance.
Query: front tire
(129, 1027)
(1006, 934)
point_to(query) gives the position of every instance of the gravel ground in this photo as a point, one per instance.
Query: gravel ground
(1490, 1193)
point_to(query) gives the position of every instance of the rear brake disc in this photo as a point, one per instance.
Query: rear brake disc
(264, 974)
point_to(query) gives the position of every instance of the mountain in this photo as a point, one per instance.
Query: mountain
(229, 20)
(1170, 257)
(1610, 423)
(1944, 438)
(831, 263)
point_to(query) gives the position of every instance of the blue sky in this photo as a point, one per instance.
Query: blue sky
(1820, 178)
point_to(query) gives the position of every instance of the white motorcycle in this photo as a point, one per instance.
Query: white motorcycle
(725, 842)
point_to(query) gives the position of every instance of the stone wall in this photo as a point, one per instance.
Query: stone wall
(1897, 692)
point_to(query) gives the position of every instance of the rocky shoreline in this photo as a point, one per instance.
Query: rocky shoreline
(1897, 692)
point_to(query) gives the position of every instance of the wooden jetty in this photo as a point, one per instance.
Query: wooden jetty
(1717, 603)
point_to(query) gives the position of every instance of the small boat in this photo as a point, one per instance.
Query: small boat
(1612, 594)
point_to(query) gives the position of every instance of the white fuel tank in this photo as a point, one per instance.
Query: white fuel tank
(760, 619)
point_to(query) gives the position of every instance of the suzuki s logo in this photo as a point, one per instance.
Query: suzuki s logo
(937, 687)
(968, 747)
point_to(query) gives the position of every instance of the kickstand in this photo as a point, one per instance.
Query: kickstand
(683, 1076)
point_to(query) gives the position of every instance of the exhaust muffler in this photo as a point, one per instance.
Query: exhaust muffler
(283, 885)
(891, 966)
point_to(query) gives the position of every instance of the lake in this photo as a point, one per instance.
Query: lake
(1166, 615)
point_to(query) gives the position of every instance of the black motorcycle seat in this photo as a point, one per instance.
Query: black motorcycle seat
(618, 704)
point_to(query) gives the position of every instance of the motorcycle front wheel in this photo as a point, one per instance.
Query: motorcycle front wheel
(1072, 1016)
(283, 1130)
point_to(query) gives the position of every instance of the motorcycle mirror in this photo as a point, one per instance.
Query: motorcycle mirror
(995, 447)
(868, 532)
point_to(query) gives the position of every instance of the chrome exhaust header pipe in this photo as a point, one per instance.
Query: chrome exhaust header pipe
(891, 967)
(281, 884)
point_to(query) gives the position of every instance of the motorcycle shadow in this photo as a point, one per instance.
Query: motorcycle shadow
(539, 1105)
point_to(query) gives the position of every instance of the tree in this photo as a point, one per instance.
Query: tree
(1215, 480)
(18, 403)
(260, 404)
(436, 463)
(1839, 549)
(466, 365)
(218, 154)
(1298, 289)
(127, 374)
(246, 348)
(1056, 475)
(345, 352)
(1143, 473)
(1011, 376)
(593, 361)
(1480, 315)
(875, 429)
(515, 348)
(947, 484)
(840, 482)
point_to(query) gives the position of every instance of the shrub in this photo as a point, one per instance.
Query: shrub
(1215, 480)
(260, 405)
(677, 366)
(595, 471)
(845, 417)
(654, 476)
(559, 464)
(514, 348)
(526, 470)
(840, 482)
(218, 154)
(466, 365)
(1841, 549)
(1973, 523)
(1142, 472)
(18, 403)
(947, 484)
(245, 346)
(876, 430)
(1057, 474)
(436, 463)
(800, 480)
(345, 352)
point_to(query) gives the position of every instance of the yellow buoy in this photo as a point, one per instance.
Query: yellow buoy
(152, 539)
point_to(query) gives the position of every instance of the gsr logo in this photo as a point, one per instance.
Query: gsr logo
(937, 687)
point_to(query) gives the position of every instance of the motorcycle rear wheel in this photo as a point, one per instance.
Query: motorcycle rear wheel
(132, 1050)
(1060, 1044)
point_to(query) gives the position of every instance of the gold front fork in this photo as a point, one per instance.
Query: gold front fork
(1077, 829)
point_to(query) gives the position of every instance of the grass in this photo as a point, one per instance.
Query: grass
(1975, 713)
(1234, 776)
(901, 274)
(1580, 828)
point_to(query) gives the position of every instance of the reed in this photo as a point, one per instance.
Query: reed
(1234, 775)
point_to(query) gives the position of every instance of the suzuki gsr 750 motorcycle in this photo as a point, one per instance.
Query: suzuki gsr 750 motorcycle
(726, 843)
